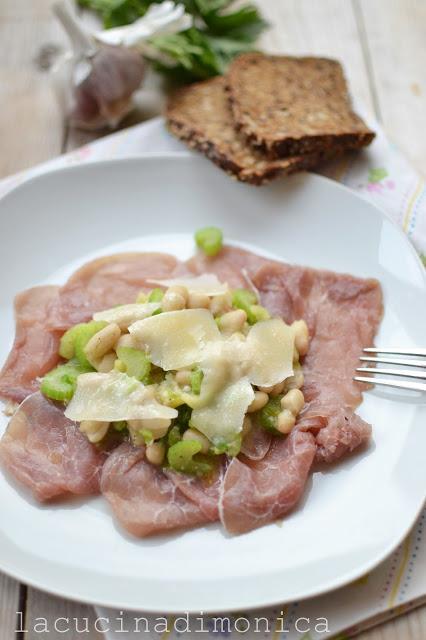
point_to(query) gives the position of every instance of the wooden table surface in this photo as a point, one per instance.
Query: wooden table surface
(382, 46)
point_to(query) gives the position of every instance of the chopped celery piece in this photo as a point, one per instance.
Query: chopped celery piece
(119, 366)
(141, 298)
(120, 425)
(156, 295)
(66, 344)
(181, 458)
(196, 379)
(256, 313)
(247, 300)
(209, 240)
(268, 416)
(243, 298)
(173, 436)
(146, 435)
(136, 362)
(231, 449)
(83, 333)
(60, 383)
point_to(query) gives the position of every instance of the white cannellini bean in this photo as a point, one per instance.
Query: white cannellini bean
(127, 340)
(233, 321)
(296, 381)
(193, 434)
(155, 452)
(301, 339)
(293, 401)
(157, 426)
(174, 299)
(102, 342)
(183, 377)
(286, 421)
(95, 430)
(221, 303)
(260, 399)
(198, 301)
(107, 362)
(274, 390)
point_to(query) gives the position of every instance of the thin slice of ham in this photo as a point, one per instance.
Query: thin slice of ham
(256, 493)
(47, 453)
(106, 282)
(204, 492)
(35, 349)
(144, 500)
(232, 265)
(343, 314)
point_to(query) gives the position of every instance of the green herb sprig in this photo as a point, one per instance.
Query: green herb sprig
(220, 33)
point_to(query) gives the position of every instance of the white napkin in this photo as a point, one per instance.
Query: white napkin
(381, 175)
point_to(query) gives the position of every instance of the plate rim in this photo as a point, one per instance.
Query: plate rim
(332, 584)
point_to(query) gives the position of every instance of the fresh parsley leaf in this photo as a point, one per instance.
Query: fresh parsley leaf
(203, 51)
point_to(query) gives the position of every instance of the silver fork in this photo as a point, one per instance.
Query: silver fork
(407, 362)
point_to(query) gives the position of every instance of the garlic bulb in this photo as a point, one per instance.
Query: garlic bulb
(97, 79)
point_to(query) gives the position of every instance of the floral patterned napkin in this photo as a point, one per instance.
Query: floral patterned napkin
(383, 176)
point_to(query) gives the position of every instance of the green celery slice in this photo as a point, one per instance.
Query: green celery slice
(209, 240)
(268, 416)
(60, 383)
(82, 334)
(137, 363)
(180, 457)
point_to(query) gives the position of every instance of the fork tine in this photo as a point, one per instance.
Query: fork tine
(401, 361)
(394, 372)
(402, 352)
(399, 384)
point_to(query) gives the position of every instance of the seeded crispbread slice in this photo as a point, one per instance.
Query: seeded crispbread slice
(200, 115)
(287, 106)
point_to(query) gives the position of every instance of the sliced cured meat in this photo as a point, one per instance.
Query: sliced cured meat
(232, 265)
(35, 350)
(47, 453)
(106, 282)
(144, 500)
(343, 315)
(256, 443)
(204, 492)
(255, 493)
(345, 431)
(288, 291)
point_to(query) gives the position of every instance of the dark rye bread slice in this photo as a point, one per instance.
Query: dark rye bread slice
(286, 106)
(199, 114)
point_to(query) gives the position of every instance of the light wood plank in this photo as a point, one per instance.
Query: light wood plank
(411, 626)
(9, 605)
(327, 28)
(60, 618)
(395, 43)
(31, 127)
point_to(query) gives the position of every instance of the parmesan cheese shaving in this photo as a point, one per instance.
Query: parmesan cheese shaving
(176, 339)
(207, 283)
(127, 314)
(222, 419)
(112, 397)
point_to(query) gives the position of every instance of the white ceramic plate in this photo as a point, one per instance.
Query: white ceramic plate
(353, 515)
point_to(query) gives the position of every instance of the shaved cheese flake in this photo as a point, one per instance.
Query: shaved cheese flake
(222, 419)
(176, 339)
(270, 346)
(127, 314)
(207, 283)
(112, 397)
